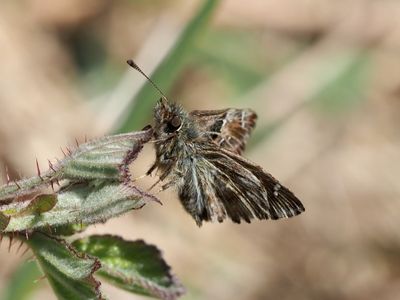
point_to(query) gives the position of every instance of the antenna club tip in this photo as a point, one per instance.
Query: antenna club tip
(131, 63)
(136, 67)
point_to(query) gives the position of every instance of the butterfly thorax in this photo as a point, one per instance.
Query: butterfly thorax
(175, 134)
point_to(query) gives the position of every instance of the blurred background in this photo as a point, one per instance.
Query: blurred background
(324, 78)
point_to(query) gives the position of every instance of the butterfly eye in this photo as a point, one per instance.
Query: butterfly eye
(174, 124)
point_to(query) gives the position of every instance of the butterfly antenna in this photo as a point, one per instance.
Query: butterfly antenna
(136, 67)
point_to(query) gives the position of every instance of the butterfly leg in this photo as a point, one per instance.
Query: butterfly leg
(152, 168)
(166, 186)
(162, 177)
(139, 177)
(149, 171)
(153, 185)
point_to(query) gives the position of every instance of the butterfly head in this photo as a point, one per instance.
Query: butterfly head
(169, 119)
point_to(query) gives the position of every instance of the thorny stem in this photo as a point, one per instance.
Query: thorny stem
(15, 189)
(94, 185)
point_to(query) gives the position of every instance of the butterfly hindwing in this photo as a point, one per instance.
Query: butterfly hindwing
(229, 128)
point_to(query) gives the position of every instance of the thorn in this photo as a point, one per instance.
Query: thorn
(51, 166)
(25, 251)
(63, 152)
(76, 142)
(69, 151)
(20, 246)
(38, 170)
(11, 242)
(52, 185)
(7, 174)
(16, 183)
(27, 235)
(58, 183)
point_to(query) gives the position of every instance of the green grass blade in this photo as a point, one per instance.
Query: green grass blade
(342, 92)
(168, 70)
(345, 91)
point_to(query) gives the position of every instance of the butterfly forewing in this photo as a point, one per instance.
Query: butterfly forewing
(228, 128)
(221, 183)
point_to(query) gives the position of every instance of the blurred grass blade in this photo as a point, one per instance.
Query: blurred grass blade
(70, 274)
(133, 266)
(22, 283)
(340, 84)
(218, 53)
(346, 89)
(168, 70)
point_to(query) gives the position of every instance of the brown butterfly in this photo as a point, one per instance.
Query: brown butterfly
(198, 153)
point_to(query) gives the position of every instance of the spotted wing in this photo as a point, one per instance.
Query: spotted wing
(229, 128)
(222, 184)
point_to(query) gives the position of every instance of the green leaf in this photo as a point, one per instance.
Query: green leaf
(69, 229)
(69, 273)
(168, 70)
(104, 158)
(133, 266)
(80, 203)
(22, 283)
(40, 204)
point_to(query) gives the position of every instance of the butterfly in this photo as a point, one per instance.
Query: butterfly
(199, 154)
